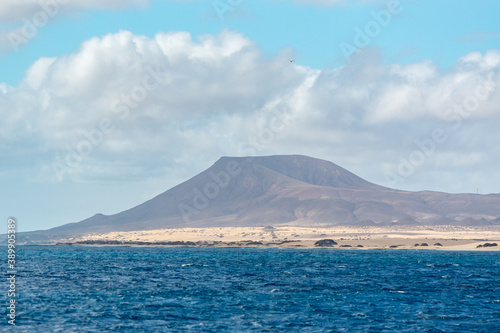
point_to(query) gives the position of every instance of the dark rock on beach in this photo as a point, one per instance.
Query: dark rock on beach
(487, 245)
(254, 243)
(325, 243)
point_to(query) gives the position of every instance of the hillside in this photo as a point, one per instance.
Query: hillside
(285, 190)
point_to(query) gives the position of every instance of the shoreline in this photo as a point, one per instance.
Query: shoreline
(445, 238)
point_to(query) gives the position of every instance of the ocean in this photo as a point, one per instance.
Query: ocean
(148, 289)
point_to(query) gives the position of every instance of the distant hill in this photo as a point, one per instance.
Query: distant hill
(285, 190)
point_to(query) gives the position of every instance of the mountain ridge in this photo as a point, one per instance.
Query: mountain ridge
(284, 189)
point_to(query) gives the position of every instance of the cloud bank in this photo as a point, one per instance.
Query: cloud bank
(128, 107)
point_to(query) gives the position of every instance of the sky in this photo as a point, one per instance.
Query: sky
(106, 104)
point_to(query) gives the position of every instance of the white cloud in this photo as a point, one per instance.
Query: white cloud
(21, 20)
(220, 96)
(13, 11)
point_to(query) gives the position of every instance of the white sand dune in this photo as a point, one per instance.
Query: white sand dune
(402, 237)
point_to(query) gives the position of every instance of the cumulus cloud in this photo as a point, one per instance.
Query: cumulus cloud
(177, 90)
(132, 107)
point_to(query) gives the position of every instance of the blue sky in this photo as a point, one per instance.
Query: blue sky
(370, 113)
(441, 31)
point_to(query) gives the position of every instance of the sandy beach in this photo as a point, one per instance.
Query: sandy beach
(399, 237)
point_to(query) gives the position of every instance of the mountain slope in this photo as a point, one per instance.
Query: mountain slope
(293, 190)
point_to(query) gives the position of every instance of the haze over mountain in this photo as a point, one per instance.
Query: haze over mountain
(285, 190)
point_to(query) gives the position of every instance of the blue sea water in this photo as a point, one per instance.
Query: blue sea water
(138, 289)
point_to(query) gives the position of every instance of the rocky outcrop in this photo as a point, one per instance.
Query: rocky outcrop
(325, 243)
(487, 245)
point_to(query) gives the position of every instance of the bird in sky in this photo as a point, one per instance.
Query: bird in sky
(291, 60)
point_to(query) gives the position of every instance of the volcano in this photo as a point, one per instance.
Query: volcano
(285, 190)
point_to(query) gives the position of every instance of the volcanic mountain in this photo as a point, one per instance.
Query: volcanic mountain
(285, 190)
